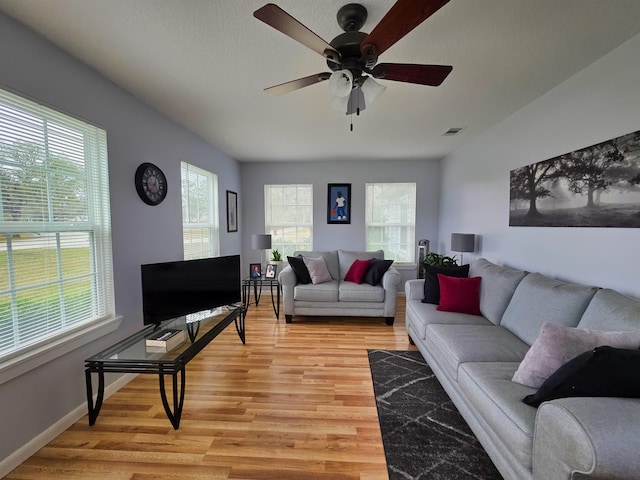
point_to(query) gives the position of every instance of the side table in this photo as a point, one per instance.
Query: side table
(257, 284)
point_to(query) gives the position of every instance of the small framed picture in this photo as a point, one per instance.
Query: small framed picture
(271, 271)
(255, 270)
(232, 211)
(339, 203)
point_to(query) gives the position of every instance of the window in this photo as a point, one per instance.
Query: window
(391, 219)
(289, 217)
(199, 212)
(55, 228)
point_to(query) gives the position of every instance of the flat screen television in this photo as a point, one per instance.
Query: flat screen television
(173, 289)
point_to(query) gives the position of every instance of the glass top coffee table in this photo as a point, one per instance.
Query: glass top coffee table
(132, 355)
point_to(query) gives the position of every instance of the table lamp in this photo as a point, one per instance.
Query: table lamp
(463, 242)
(260, 241)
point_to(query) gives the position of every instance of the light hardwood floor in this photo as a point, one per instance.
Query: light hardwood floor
(295, 402)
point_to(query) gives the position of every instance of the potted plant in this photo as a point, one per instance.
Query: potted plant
(440, 260)
(276, 259)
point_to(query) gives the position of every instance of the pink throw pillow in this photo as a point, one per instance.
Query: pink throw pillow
(318, 270)
(460, 295)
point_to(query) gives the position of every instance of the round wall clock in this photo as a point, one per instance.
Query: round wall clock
(151, 184)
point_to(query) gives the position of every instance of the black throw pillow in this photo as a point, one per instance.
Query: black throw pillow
(376, 270)
(300, 269)
(601, 372)
(431, 283)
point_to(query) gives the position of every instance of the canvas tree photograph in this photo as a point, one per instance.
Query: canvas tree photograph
(597, 186)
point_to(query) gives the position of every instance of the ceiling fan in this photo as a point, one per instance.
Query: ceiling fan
(352, 56)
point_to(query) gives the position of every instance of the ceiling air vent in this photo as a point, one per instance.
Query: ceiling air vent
(453, 131)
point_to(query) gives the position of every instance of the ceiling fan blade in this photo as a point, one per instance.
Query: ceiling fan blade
(432, 75)
(297, 84)
(277, 18)
(403, 17)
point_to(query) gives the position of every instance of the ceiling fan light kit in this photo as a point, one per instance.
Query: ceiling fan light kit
(352, 56)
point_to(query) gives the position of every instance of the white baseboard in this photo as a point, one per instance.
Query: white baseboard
(23, 453)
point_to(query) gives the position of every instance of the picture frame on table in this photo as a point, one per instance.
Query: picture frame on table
(271, 271)
(255, 270)
(232, 211)
(339, 203)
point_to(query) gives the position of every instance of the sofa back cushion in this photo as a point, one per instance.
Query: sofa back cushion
(497, 287)
(610, 310)
(346, 259)
(330, 257)
(540, 299)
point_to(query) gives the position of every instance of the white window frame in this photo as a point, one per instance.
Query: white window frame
(300, 223)
(393, 218)
(193, 225)
(81, 148)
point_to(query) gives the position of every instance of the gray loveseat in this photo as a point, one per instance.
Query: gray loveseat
(475, 358)
(338, 297)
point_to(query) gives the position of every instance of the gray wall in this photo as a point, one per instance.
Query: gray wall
(425, 174)
(141, 234)
(599, 103)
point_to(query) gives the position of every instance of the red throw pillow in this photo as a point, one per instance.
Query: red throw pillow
(357, 271)
(460, 295)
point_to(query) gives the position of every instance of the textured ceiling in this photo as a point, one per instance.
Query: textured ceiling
(204, 64)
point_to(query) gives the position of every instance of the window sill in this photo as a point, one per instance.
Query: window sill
(42, 353)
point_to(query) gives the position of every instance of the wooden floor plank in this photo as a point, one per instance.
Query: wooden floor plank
(295, 402)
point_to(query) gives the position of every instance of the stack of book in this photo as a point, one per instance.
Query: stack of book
(165, 340)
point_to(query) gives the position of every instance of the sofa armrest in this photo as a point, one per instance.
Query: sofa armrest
(591, 437)
(390, 282)
(288, 280)
(414, 289)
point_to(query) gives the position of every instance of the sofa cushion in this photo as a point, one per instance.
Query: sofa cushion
(323, 292)
(497, 287)
(490, 391)
(330, 257)
(318, 270)
(353, 292)
(357, 271)
(421, 314)
(558, 344)
(610, 310)
(432, 284)
(346, 259)
(540, 299)
(601, 372)
(300, 269)
(457, 344)
(461, 295)
(377, 269)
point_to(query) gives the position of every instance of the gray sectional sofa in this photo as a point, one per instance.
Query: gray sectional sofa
(338, 297)
(475, 359)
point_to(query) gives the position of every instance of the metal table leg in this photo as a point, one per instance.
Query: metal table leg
(94, 409)
(178, 397)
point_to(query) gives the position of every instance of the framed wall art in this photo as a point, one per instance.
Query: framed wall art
(596, 186)
(339, 203)
(232, 211)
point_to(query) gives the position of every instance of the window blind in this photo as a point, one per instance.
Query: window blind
(289, 217)
(55, 228)
(390, 218)
(200, 224)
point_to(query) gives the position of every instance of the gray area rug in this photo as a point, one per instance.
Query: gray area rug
(423, 434)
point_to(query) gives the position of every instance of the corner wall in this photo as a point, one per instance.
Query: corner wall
(426, 175)
(33, 67)
(599, 103)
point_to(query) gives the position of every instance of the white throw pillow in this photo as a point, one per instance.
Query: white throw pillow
(557, 344)
(318, 270)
